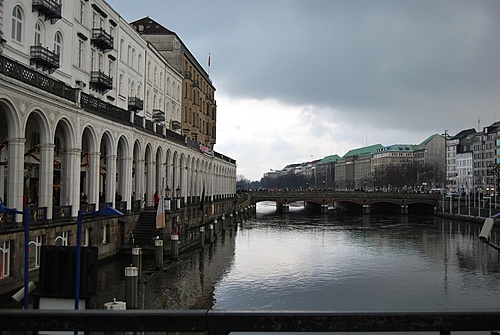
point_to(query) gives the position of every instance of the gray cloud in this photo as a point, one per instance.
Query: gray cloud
(384, 66)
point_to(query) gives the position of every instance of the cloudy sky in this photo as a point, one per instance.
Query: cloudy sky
(298, 80)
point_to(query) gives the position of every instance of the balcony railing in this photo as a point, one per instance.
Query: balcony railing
(135, 104)
(102, 39)
(176, 125)
(102, 108)
(44, 58)
(100, 81)
(50, 9)
(224, 322)
(158, 115)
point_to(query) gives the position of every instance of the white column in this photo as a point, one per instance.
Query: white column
(46, 195)
(139, 172)
(15, 174)
(125, 177)
(73, 161)
(93, 178)
(111, 178)
(151, 187)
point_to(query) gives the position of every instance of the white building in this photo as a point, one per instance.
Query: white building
(89, 108)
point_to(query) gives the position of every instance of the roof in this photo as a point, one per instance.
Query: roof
(364, 151)
(149, 26)
(398, 148)
(329, 159)
(427, 140)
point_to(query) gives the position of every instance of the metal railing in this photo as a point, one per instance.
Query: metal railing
(224, 322)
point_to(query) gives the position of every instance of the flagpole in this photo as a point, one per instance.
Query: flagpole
(209, 64)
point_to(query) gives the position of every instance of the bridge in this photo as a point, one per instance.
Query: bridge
(356, 201)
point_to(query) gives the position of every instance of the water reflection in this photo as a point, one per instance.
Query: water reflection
(354, 262)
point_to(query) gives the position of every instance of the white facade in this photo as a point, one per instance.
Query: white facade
(465, 171)
(67, 129)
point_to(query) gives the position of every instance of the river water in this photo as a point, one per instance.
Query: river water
(331, 262)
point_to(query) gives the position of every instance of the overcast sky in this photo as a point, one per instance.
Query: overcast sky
(299, 80)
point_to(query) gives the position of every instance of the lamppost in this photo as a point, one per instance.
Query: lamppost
(26, 220)
(178, 196)
(101, 212)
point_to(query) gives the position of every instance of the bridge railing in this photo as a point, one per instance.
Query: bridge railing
(223, 322)
(342, 194)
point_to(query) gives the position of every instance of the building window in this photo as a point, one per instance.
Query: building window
(82, 12)
(38, 34)
(62, 238)
(106, 232)
(110, 68)
(17, 24)
(5, 259)
(101, 61)
(92, 60)
(35, 248)
(58, 45)
(80, 54)
(86, 237)
(94, 20)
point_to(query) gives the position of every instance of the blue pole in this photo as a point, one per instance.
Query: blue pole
(78, 258)
(26, 220)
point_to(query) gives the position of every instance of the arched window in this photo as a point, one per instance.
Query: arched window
(38, 34)
(58, 44)
(139, 88)
(17, 24)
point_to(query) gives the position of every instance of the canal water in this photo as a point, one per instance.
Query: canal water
(331, 262)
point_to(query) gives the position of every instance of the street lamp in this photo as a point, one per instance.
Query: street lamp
(26, 220)
(104, 211)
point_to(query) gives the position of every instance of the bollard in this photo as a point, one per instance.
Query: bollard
(159, 254)
(115, 305)
(202, 236)
(137, 260)
(211, 233)
(175, 246)
(131, 287)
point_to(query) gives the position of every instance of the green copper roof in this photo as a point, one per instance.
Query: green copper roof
(398, 148)
(365, 151)
(329, 159)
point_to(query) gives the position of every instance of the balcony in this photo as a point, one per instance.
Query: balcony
(102, 39)
(176, 125)
(135, 104)
(158, 115)
(188, 75)
(44, 58)
(100, 82)
(50, 9)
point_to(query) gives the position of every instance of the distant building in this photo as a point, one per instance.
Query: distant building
(199, 109)
(325, 170)
(345, 169)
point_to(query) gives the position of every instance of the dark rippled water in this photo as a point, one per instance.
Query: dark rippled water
(353, 263)
(338, 261)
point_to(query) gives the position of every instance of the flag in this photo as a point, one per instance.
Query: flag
(202, 202)
(209, 59)
(160, 212)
